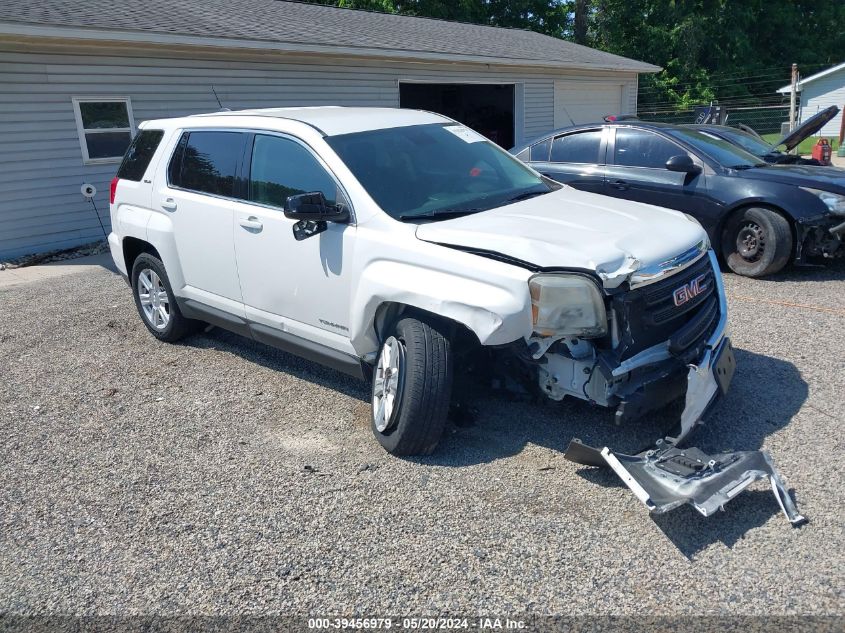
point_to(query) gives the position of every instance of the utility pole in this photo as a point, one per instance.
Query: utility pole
(793, 93)
(792, 97)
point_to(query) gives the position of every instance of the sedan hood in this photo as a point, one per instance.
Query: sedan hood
(808, 127)
(574, 229)
(826, 178)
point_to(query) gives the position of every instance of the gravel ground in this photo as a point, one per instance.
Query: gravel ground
(221, 477)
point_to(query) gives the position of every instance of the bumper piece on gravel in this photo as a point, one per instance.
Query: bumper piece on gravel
(667, 477)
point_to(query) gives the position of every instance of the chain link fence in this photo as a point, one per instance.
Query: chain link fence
(763, 120)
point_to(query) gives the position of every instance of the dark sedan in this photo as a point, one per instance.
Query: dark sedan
(759, 216)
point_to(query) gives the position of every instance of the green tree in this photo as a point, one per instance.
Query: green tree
(735, 51)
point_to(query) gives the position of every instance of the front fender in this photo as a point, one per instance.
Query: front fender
(497, 313)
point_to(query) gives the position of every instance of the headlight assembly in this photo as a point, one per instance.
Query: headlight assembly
(834, 201)
(567, 305)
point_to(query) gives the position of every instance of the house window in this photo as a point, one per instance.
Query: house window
(105, 127)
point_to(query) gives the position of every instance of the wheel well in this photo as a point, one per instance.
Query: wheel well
(389, 312)
(132, 247)
(762, 205)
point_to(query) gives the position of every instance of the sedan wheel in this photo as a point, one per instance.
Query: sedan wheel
(757, 242)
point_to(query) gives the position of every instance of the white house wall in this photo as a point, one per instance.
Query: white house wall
(822, 93)
(41, 166)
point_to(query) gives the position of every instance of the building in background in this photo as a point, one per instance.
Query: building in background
(820, 91)
(77, 76)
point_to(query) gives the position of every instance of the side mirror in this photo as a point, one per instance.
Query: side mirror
(312, 212)
(682, 163)
(313, 206)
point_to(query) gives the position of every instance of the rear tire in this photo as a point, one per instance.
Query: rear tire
(757, 242)
(156, 302)
(412, 385)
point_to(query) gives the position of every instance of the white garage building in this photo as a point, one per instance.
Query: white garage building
(820, 91)
(77, 76)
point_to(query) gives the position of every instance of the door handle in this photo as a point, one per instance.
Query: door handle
(619, 184)
(251, 223)
(169, 204)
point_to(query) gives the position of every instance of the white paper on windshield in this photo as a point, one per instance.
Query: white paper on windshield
(464, 133)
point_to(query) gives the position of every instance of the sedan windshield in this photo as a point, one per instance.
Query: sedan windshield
(723, 152)
(748, 142)
(435, 171)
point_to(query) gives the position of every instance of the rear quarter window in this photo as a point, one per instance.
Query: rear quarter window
(139, 155)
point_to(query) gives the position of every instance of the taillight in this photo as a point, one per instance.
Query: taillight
(113, 189)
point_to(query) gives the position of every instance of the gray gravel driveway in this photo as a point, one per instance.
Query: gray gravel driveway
(220, 476)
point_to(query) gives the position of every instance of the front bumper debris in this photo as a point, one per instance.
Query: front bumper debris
(667, 477)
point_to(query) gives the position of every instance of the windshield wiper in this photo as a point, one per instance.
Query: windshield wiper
(525, 196)
(743, 167)
(440, 213)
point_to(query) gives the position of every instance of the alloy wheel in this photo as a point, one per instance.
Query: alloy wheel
(155, 303)
(387, 383)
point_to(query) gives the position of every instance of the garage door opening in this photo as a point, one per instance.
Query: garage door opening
(486, 108)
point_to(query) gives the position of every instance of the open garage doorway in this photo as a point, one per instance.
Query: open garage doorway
(486, 108)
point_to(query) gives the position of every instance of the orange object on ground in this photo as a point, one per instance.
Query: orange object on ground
(822, 151)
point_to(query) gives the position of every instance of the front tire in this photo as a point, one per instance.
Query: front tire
(757, 242)
(412, 385)
(156, 302)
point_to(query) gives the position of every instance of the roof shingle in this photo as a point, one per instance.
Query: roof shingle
(307, 24)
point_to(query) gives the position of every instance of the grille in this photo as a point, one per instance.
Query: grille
(649, 315)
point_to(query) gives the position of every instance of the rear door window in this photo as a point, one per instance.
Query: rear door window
(281, 168)
(639, 148)
(580, 147)
(209, 162)
(139, 155)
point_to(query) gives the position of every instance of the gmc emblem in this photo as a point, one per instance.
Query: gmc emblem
(690, 291)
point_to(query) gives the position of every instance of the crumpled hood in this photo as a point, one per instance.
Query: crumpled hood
(569, 228)
(818, 177)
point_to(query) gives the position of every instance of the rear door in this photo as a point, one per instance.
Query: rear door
(575, 158)
(637, 171)
(198, 196)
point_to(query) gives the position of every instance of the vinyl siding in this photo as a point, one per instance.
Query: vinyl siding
(41, 166)
(823, 93)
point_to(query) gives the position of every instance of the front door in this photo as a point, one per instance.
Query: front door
(300, 287)
(638, 172)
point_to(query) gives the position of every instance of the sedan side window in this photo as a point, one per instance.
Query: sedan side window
(580, 147)
(540, 151)
(282, 168)
(639, 148)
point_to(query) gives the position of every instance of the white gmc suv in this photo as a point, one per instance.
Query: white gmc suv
(386, 243)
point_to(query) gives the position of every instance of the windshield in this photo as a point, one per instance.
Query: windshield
(746, 141)
(435, 170)
(725, 153)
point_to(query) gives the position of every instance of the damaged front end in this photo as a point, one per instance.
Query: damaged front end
(667, 341)
(821, 237)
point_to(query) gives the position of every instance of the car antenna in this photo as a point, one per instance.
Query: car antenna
(566, 112)
(222, 109)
